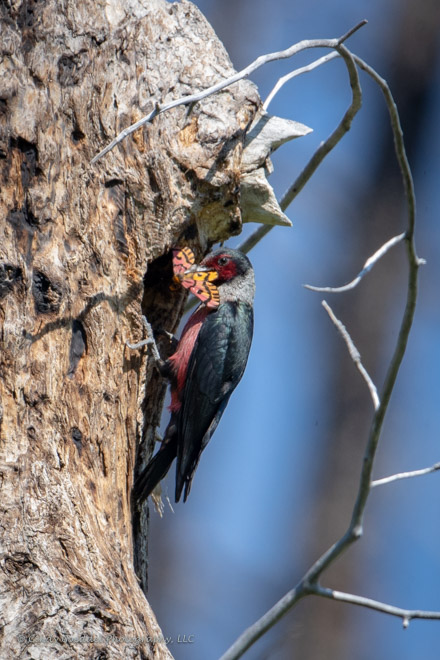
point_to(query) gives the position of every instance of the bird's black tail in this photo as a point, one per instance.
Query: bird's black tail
(155, 471)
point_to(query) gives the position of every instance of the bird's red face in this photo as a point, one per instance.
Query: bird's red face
(223, 264)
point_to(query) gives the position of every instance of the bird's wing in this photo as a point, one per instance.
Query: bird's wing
(216, 365)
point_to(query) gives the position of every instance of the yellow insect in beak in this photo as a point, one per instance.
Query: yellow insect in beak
(199, 274)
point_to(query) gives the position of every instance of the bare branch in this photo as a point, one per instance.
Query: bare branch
(354, 354)
(244, 73)
(399, 146)
(368, 265)
(342, 128)
(408, 315)
(355, 528)
(405, 475)
(257, 629)
(297, 72)
(352, 30)
(324, 149)
(405, 615)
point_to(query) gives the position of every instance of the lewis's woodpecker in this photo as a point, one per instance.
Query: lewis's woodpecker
(206, 367)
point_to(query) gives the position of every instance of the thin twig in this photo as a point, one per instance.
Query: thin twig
(257, 630)
(354, 354)
(405, 615)
(297, 72)
(399, 146)
(342, 128)
(405, 475)
(240, 75)
(351, 31)
(368, 265)
(408, 314)
(323, 150)
(256, 236)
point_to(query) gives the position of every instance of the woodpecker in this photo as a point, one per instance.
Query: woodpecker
(204, 370)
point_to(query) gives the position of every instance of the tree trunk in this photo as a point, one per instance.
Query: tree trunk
(76, 241)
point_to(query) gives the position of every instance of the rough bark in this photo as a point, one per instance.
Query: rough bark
(76, 242)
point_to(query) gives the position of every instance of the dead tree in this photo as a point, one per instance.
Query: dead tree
(83, 250)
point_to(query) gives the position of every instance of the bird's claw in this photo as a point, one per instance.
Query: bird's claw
(169, 335)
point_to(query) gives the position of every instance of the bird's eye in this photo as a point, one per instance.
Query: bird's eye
(223, 261)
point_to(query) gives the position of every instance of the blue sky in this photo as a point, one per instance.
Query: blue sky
(230, 552)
